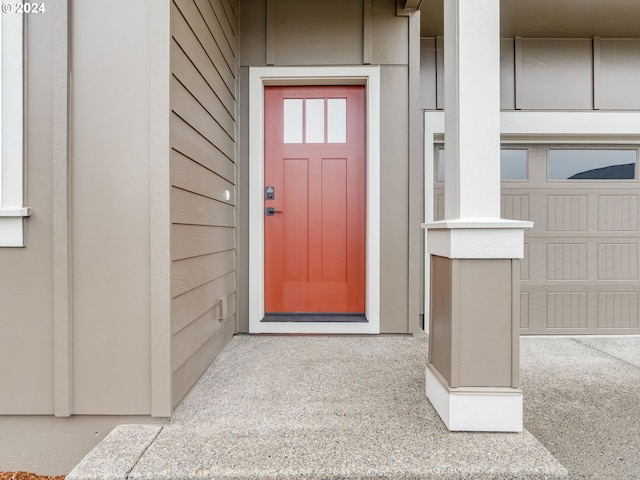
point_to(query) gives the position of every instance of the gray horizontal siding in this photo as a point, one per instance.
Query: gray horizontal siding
(190, 371)
(203, 179)
(190, 305)
(194, 240)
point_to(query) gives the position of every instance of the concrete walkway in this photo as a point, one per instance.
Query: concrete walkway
(354, 407)
(582, 401)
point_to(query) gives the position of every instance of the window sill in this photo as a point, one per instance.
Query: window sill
(12, 226)
(15, 211)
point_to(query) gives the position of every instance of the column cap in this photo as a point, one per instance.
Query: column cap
(477, 238)
(480, 223)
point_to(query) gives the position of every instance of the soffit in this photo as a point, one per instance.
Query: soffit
(552, 18)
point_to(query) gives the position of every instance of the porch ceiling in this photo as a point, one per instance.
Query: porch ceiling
(552, 18)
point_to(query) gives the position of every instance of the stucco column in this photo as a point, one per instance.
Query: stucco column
(473, 368)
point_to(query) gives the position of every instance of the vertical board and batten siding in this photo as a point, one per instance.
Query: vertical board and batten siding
(109, 177)
(551, 73)
(26, 274)
(203, 179)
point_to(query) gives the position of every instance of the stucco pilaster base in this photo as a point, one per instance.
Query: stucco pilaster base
(475, 409)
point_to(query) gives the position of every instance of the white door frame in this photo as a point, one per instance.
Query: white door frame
(259, 77)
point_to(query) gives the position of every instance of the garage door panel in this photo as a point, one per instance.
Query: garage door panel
(538, 205)
(566, 261)
(618, 213)
(567, 310)
(584, 259)
(558, 309)
(567, 213)
(618, 261)
(515, 207)
(524, 203)
(617, 310)
(536, 269)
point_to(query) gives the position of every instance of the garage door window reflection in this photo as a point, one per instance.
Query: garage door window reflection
(591, 164)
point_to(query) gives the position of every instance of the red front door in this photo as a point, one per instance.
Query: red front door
(315, 199)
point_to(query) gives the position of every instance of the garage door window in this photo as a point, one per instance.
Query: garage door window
(588, 164)
(513, 164)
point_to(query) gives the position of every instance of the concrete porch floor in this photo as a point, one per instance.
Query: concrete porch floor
(309, 407)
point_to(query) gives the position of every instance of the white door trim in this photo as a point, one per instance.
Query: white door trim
(259, 77)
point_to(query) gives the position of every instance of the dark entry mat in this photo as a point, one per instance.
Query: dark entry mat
(315, 317)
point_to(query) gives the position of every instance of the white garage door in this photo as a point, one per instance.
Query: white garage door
(581, 273)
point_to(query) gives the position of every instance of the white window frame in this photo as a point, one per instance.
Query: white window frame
(12, 209)
(259, 77)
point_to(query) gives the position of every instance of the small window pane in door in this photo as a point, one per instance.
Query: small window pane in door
(315, 120)
(337, 120)
(292, 120)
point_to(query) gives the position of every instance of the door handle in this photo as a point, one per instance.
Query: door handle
(270, 211)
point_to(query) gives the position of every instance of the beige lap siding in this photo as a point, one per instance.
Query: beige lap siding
(203, 178)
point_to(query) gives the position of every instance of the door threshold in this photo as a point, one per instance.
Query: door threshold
(315, 317)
